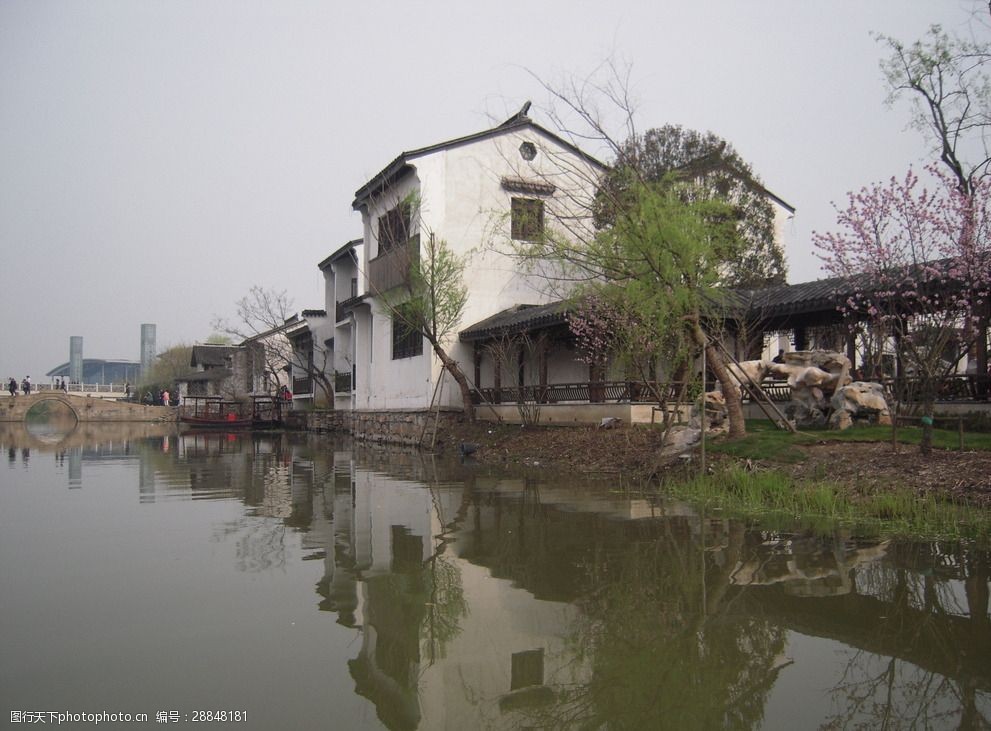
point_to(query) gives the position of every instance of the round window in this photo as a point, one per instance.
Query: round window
(528, 150)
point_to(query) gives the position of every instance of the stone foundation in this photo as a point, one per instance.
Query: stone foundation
(393, 427)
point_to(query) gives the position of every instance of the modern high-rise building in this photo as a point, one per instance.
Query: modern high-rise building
(76, 359)
(147, 347)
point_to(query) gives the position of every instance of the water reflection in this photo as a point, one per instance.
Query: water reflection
(490, 601)
(515, 602)
(50, 421)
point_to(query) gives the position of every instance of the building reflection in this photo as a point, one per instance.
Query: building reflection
(512, 602)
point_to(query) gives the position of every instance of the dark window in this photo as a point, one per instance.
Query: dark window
(407, 550)
(527, 669)
(407, 342)
(527, 218)
(394, 228)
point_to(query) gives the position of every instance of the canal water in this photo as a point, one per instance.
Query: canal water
(273, 581)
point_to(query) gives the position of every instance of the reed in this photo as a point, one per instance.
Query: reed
(773, 495)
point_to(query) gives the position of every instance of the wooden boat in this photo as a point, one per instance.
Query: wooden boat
(215, 411)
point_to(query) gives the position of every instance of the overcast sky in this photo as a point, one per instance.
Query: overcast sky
(159, 158)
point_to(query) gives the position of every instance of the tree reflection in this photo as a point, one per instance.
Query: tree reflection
(665, 649)
(935, 604)
(260, 544)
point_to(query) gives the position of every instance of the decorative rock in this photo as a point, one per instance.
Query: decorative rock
(715, 412)
(679, 440)
(821, 391)
(859, 400)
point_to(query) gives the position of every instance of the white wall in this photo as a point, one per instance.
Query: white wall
(463, 202)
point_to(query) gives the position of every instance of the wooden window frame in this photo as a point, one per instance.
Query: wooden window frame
(526, 218)
(407, 342)
(394, 228)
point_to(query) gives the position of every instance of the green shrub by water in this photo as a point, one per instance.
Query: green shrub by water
(773, 496)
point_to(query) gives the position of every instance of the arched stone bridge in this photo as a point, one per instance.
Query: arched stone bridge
(85, 408)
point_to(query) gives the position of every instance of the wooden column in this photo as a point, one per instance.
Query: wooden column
(542, 348)
(984, 386)
(478, 366)
(521, 374)
(497, 380)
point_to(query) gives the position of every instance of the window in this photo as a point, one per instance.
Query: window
(527, 219)
(407, 342)
(394, 228)
(527, 669)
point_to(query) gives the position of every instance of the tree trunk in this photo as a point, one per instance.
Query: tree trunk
(734, 406)
(454, 369)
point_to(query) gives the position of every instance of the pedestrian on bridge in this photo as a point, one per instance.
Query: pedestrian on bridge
(12, 386)
(26, 385)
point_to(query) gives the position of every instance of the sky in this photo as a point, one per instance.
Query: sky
(158, 158)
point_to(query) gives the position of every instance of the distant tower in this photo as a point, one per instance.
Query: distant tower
(76, 359)
(147, 348)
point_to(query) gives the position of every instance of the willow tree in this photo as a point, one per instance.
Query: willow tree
(659, 261)
(432, 301)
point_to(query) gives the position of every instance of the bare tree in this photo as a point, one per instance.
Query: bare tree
(510, 351)
(427, 294)
(171, 365)
(265, 317)
(948, 82)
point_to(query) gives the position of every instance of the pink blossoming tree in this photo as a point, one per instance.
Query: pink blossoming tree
(919, 261)
(609, 331)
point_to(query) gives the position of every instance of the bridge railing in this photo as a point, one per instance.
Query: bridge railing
(83, 387)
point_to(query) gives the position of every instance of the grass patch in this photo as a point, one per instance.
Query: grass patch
(776, 498)
(766, 442)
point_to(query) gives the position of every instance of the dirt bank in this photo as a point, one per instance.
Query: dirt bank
(864, 467)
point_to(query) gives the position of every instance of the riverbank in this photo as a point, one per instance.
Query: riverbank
(862, 461)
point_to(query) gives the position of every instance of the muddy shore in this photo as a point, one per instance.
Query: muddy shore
(862, 467)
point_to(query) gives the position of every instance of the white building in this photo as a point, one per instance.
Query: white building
(482, 194)
(478, 193)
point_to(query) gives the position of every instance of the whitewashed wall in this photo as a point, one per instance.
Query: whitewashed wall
(464, 203)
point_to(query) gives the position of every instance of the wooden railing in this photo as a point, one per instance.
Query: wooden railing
(952, 388)
(391, 268)
(587, 392)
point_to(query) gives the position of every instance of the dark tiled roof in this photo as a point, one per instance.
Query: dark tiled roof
(343, 251)
(816, 301)
(212, 355)
(400, 166)
(314, 313)
(215, 374)
(519, 318)
(793, 299)
(781, 300)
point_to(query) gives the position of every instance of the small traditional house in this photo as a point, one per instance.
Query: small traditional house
(260, 365)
